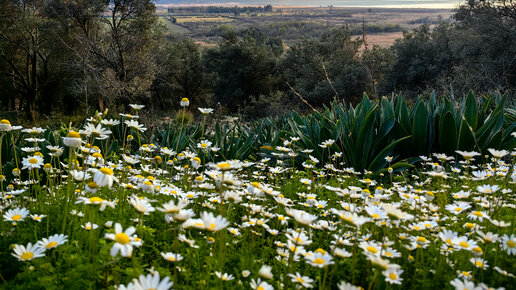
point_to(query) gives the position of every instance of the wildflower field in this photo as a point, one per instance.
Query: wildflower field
(384, 195)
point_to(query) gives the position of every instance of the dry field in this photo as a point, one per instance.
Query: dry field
(389, 23)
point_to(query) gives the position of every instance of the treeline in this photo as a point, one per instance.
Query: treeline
(292, 30)
(220, 9)
(77, 55)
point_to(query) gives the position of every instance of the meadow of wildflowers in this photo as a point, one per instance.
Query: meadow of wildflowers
(88, 210)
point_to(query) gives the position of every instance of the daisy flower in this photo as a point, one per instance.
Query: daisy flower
(299, 238)
(301, 217)
(5, 125)
(458, 207)
(392, 276)
(37, 217)
(319, 259)
(28, 253)
(184, 102)
(73, 139)
(498, 153)
(206, 111)
(96, 131)
(152, 282)
(34, 130)
(212, 223)
(124, 241)
(53, 241)
(487, 188)
(104, 177)
(224, 277)
(172, 207)
(478, 215)
(371, 248)
(204, 144)
(461, 284)
(32, 162)
(509, 244)
(343, 285)
(479, 263)
(468, 155)
(136, 107)
(110, 122)
(133, 124)
(16, 214)
(260, 285)
(305, 281)
(171, 257)
(265, 272)
(89, 226)
(141, 205)
(463, 243)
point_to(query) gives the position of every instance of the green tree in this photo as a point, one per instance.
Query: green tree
(328, 68)
(243, 67)
(180, 74)
(31, 57)
(114, 43)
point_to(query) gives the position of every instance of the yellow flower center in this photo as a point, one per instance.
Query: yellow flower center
(388, 254)
(470, 225)
(458, 208)
(372, 249)
(421, 240)
(375, 215)
(477, 213)
(464, 244)
(122, 238)
(27, 256)
(448, 241)
(511, 244)
(172, 258)
(16, 217)
(477, 250)
(184, 100)
(319, 261)
(300, 280)
(96, 199)
(260, 288)
(106, 170)
(96, 155)
(224, 166)
(73, 134)
(212, 227)
(479, 264)
(33, 161)
(4, 121)
(204, 145)
(51, 245)
(93, 184)
(393, 276)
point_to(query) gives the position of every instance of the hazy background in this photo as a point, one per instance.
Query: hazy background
(336, 3)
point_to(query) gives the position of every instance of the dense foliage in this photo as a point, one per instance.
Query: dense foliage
(69, 56)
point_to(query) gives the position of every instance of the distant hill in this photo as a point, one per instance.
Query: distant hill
(336, 3)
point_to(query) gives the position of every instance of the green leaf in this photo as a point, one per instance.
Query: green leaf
(448, 134)
(419, 128)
